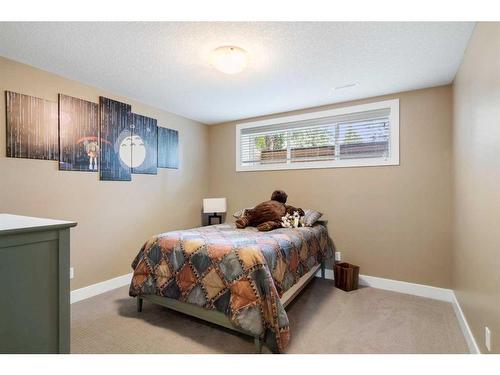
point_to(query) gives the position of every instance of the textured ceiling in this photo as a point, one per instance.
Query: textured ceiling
(293, 64)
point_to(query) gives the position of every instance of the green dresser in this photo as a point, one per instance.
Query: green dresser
(34, 277)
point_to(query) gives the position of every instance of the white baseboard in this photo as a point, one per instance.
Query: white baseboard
(469, 337)
(99, 288)
(420, 290)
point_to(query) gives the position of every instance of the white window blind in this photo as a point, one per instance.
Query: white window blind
(360, 135)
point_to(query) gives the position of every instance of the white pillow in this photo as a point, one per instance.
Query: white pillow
(310, 217)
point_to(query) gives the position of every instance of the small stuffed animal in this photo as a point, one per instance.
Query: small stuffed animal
(292, 221)
(268, 215)
(302, 221)
(285, 221)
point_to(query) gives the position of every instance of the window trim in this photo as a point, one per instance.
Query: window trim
(393, 104)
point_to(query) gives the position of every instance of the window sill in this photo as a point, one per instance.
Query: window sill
(355, 163)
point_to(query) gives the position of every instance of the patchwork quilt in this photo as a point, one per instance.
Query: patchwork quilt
(239, 272)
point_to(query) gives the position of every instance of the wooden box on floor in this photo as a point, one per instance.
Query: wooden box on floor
(346, 276)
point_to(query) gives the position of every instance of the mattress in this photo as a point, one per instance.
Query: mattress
(241, 273)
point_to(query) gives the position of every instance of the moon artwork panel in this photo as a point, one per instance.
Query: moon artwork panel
(78, 134)
(32, 130)
(168, 148)
(116, 140)
(144, 143)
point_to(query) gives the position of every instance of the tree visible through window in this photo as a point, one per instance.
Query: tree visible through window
(270, 142)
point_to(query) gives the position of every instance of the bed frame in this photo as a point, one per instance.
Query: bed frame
(216, 317)
(219, 318)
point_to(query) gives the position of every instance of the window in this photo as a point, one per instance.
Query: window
(362, 135)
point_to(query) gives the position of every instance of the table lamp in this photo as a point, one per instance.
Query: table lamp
(214, 206)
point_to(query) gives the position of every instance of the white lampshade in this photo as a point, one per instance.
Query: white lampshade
(213, 205)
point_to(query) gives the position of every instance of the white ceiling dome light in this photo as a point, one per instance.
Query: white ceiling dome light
(229, 59)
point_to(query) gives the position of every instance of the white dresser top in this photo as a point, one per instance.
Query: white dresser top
(16, 223)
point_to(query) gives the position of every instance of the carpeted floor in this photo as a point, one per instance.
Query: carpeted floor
(323, 319)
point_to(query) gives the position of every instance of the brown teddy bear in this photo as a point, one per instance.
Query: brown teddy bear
(267, 215)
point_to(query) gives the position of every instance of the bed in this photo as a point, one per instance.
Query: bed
(241, 279)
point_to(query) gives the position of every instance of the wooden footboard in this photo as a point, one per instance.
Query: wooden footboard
(221, 319)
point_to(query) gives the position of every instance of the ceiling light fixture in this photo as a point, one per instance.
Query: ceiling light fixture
(229, 59)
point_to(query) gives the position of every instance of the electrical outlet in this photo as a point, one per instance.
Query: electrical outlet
(338, 256)
(71, 272)
(487, 338)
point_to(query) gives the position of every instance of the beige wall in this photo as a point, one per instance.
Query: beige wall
(114, 218)
(476, 141)
(393, 221)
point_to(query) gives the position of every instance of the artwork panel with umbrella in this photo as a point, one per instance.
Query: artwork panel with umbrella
(78, 135)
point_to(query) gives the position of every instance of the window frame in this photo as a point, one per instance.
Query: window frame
(392, 104)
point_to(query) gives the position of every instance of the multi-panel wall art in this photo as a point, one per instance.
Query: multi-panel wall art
(31, 127)
(116, 140)
(87, 137)
(144, 144)
(78, 135)
(168, 148)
